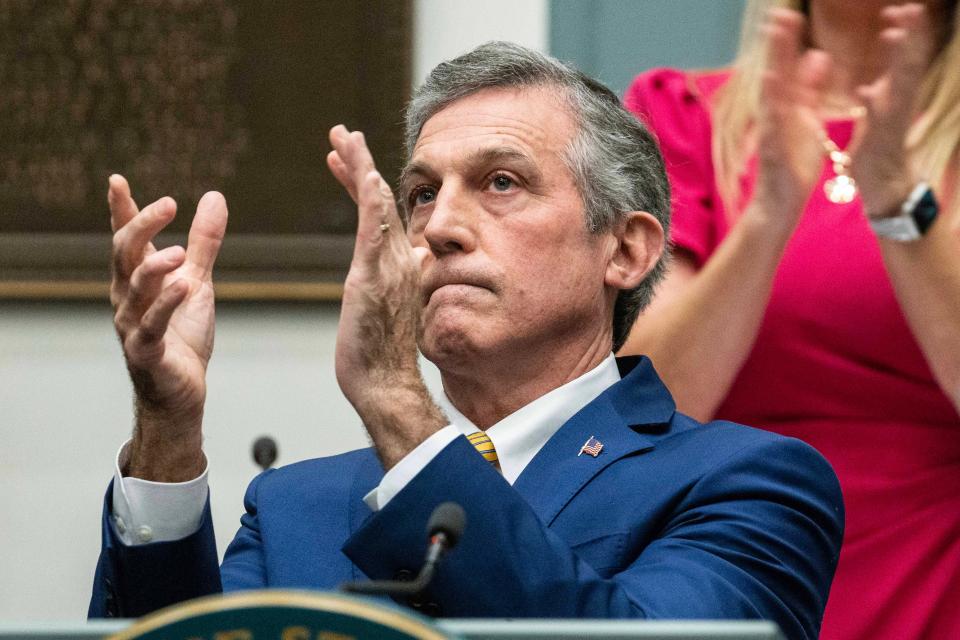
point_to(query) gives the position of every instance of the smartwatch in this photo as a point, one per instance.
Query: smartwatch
(914, 218)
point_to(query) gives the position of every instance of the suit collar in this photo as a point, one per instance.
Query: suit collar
(621, 418)
(641, 398)
(519, 436)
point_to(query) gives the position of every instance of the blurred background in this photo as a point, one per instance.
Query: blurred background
(252, 96)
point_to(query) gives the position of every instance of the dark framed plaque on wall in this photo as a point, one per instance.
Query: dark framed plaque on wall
(183, 97)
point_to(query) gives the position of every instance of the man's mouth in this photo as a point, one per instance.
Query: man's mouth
(454, 285)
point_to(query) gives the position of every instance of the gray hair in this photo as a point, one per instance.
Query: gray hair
(615, 161)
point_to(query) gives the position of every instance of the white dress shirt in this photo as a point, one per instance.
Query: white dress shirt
(145, 511)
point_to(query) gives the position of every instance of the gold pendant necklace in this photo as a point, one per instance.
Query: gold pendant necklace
(842, 188)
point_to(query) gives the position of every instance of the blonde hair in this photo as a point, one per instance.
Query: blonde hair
(933, 140)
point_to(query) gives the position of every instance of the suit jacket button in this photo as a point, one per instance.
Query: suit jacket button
(403, 575)
(431, 609)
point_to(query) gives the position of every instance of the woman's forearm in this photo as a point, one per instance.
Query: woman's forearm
(926, 280)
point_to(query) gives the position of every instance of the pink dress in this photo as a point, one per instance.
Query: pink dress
(835, 365)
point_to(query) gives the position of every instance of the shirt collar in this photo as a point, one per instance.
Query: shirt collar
(520, 435)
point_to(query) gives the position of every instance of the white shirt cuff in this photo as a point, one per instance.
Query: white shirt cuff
(413, 463)
(145, 511)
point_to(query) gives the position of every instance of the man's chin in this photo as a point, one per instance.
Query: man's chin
(447, 339)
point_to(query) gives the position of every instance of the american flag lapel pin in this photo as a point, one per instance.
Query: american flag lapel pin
(591, 446)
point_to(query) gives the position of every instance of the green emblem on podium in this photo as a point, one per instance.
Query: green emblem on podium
(281, 615)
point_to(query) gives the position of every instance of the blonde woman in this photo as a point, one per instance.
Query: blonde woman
(816, 285)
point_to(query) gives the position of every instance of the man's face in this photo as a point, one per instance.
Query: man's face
(512, 269)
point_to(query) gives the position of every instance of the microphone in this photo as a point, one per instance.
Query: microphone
(444, 529)
(264, 452)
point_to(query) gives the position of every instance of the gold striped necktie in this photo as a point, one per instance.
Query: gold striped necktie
(484, 446)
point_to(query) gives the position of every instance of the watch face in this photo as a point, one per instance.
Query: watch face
(925, 211)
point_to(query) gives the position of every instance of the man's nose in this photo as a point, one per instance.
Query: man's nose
(452, 223)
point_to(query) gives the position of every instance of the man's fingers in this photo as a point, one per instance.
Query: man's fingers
(352, 149)
(420, 255)
(122, 207)
(342, 174)
(351, 163)
(146, 342)
(377, 219)
(206, 232)
(377, 206)
(132, 240)
(147, 281)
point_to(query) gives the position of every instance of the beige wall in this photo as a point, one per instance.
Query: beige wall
(65, 405)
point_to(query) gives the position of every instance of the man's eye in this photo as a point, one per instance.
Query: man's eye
(422, 195)
(502, 183)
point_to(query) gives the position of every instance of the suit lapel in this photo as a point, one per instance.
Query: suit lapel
(616, 418)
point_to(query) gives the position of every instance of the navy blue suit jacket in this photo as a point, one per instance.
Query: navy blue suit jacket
(674, 519)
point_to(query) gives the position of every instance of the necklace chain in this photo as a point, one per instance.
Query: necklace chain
(841, 188)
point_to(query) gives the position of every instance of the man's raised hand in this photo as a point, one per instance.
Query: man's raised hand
(164, 315)
(376, 357)
(378, 322)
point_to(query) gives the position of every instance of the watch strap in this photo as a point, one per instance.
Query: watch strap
(916, 215)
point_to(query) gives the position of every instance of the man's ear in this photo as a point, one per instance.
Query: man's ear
(640, 243)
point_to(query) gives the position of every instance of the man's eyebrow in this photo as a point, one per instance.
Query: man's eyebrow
(481, 157)
(414, 168)
(494, 155)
